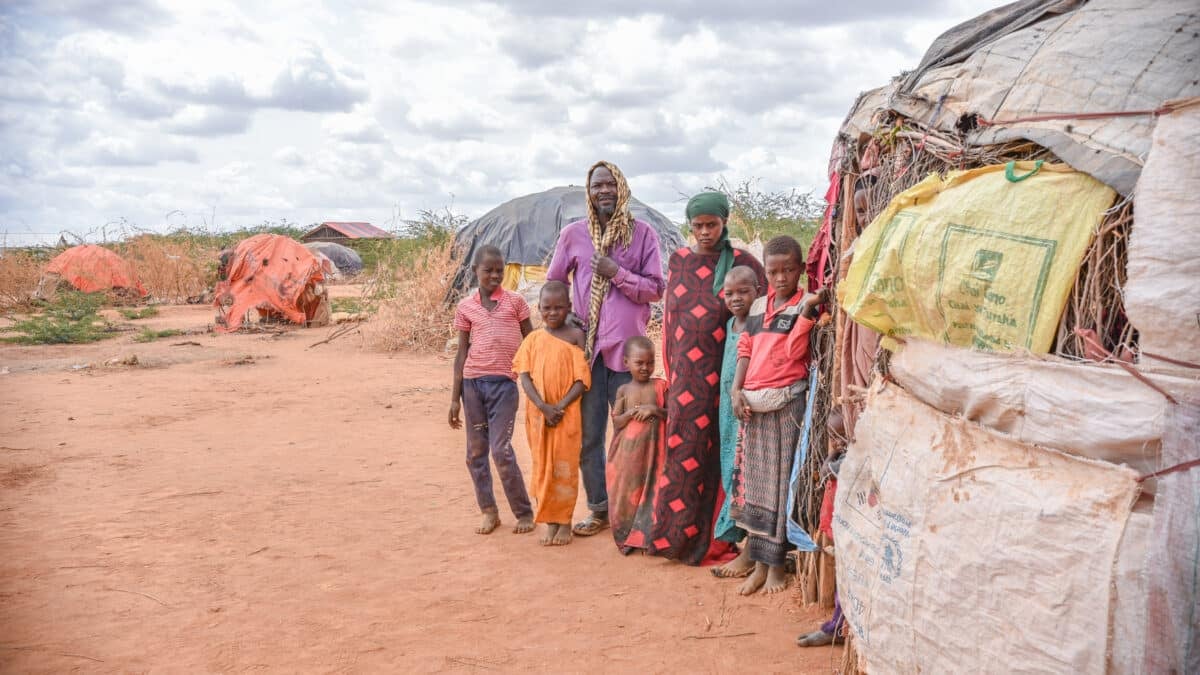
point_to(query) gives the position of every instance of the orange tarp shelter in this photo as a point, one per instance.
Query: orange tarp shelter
(271, 273)
(91, 268)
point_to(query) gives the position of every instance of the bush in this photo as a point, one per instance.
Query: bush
(760, 215)
(143, 313)
(410, 291)
(72, 318)
(20, 271)
(150, 335)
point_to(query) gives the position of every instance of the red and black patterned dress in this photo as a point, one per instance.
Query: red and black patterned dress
(689, 483)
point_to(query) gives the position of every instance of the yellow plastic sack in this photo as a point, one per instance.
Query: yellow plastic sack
(515, 273)
(984, 258)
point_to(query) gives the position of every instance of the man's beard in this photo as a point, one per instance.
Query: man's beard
(606, 211)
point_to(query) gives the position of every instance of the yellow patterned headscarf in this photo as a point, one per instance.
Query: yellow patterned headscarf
(619, 231)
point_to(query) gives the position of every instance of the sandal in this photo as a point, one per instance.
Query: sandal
(590, 525)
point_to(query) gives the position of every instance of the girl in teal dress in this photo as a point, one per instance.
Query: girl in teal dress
(741, 289)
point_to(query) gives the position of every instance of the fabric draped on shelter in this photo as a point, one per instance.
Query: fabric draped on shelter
(633, 460)
(554, 366)
(689, 488)
(271, 273)
(90, 268)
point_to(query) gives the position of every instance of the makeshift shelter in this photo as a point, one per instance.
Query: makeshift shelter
(1014, 348)
(345, 259)
(91, 269)
(278, 277)
(342, 232)
(525, 229)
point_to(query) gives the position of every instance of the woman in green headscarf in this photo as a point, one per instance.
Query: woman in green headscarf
(688, 485)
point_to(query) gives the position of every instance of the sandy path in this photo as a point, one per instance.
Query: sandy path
(308, 510)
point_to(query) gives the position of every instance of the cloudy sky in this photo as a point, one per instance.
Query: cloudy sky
(162, 114)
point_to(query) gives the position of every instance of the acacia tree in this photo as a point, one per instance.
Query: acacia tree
(759, 215)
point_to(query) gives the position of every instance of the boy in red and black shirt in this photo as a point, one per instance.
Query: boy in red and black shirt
(767, 395)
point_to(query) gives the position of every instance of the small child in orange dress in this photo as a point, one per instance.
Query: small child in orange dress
(553, 375)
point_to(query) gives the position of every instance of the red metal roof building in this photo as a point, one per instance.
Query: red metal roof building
(342, 232)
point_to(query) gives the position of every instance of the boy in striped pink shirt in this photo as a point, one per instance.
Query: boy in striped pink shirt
(491, 324)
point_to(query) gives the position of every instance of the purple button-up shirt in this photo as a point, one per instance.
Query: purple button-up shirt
(639, 282)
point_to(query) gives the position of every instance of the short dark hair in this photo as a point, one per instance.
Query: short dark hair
(742, 273)
(865, 182)
(484, 252)
(784, 245)
(555, 286)
(639, 342)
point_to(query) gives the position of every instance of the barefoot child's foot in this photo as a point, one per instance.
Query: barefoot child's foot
(776, 579)
(737, 568)
(524, 524)
(491, 520)
(548, 536)
(563, 536)
(755, 581)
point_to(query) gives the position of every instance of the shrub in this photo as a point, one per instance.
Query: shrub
(71, 318)
(143, 313)
(413, 313)
(20, 271)
(150, 335)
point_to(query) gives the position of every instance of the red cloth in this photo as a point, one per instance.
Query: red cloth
(91, 268)
(826, 525)
(819, 251)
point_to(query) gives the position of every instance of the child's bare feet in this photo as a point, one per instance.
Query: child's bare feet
(563, 536)
(776, 579)
(524, 524)
(755, 581)
(491, 520)
(737, 568)
(551, 530)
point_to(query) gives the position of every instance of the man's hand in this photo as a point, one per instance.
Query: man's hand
(455, 422)
(604, 266)
(574, 320)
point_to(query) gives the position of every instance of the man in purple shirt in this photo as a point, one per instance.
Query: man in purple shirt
(631, 267)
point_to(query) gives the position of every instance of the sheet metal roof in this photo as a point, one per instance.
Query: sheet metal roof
(354, 230)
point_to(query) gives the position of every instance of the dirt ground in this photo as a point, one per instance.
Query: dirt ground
(246, 503)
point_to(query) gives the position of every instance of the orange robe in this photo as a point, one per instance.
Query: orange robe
(554, 366)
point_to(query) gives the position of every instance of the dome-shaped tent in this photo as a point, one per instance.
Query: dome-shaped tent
(526, 228)
(275, 275)
(91, 268)
(345, 259)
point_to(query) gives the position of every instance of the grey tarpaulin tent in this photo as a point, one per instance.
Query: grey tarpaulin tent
(344, 258)
(526, 228)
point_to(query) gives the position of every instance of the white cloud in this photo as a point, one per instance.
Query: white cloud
(209, 121)
(307, 110)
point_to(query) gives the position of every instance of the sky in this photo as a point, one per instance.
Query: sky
(153, 115)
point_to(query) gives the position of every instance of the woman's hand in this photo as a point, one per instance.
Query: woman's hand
(455, 409)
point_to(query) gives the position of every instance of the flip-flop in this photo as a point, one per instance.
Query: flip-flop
(590, 526)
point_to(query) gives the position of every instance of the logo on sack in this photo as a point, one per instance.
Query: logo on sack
(986, 264)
